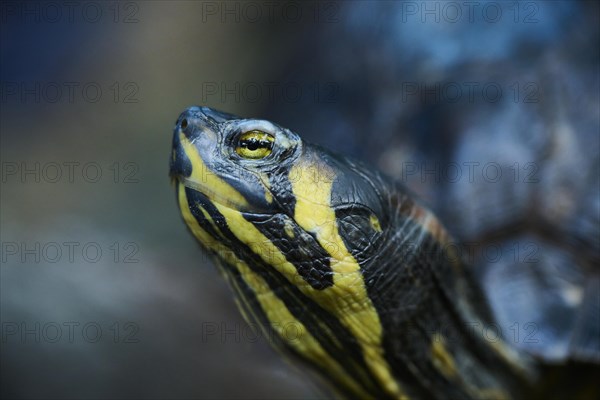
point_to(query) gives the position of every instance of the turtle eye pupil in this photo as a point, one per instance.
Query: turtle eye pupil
(252, 145)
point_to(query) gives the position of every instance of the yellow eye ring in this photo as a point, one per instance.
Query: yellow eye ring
(254, 144)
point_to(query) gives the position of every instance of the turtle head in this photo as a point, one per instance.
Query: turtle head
(229, 159)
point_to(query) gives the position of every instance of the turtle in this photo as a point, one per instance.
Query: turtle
(382, 300)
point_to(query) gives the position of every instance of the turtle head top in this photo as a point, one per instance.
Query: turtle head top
(339, 264)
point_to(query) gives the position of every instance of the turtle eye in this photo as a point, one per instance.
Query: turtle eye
(254, 144)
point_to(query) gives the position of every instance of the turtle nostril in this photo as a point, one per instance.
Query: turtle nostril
(184, 123)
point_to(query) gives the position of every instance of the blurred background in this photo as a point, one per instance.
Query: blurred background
(104, 294)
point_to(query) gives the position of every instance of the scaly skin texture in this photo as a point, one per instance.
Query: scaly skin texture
(364, 275)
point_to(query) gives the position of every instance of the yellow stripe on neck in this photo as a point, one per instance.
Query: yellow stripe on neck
(280, 318)
(347, 298)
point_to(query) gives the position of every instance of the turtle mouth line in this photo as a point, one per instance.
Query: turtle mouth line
(214, 196)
